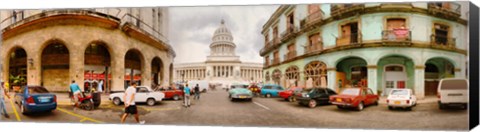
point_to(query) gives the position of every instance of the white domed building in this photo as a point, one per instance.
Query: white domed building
(222, 65)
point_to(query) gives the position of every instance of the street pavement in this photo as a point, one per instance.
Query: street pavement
(215, 109)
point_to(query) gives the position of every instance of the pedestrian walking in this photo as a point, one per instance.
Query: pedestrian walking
(129, 101)
(197, 92)
(76, 93)
(3, 93)
(186, 98)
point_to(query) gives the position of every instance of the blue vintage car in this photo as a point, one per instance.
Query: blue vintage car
(240, 91)
(35, 99)
(271, 90)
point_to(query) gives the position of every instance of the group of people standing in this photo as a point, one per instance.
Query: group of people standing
(187, 92)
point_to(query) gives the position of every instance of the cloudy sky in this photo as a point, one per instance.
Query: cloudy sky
(191, 30)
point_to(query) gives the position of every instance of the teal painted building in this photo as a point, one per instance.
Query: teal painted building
(381, 46)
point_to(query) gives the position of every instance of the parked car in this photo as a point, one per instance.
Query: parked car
(202, 84)
(255, 89)
(144, 95)
(314, 96)
(175, 94)
(35, 99)
(355, 98)
(289, 94)
(401, 98)
(271, 90)
(452, 92)
(240, 92)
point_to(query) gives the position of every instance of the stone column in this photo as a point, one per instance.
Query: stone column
(332, 79)
(419, 81)
(372, 78)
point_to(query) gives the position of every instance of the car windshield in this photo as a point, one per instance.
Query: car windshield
(399, 92)
(454, 85)
(35, 90)
(312, 90)
(351, 91)
(239, 86)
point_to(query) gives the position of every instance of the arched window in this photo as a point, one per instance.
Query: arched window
(276, 75)
(267, 76)
(318, 72)
(292, 73)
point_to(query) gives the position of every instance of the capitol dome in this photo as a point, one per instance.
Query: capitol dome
(222, 41)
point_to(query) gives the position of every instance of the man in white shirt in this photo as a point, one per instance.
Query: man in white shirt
(100, 85)
(129, 101)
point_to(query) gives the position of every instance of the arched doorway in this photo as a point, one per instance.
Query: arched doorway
(55, 66)
(276, 76)
(316, 71)
(436, 69)
(157, 71)
(351, 72)
(133, 67)
(97, 73)
(292, 73)
(17, 68)
(395, 72)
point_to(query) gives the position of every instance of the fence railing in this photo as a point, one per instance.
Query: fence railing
(313, 18)
(397, 35)
(314, 47)
(289, 31)
(290, 55)
(446, 6)
(440, 40)
(352, 38)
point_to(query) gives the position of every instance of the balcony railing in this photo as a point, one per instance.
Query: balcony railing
(275, 41)
(446, 6)
(143, 26)
(289, 31)
(314, 48)
(397, 35)
(442, 41)
(312, 19)
(353, 38)
(276, 61)
(339, 9)
(290, 55)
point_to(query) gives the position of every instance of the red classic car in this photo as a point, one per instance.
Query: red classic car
(355, 98)
(174, 94)
(289, 94)
(255, 89)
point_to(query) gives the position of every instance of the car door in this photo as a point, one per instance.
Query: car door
(141, 95)
(266, 89)
(363, 96)
(322, 96)
(277, 90)
(371, 97)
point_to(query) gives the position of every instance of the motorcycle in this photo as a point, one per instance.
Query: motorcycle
(85, 101)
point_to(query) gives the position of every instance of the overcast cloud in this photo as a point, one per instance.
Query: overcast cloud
(191, 30)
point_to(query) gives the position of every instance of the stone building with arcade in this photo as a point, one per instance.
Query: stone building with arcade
(114, 46)
(377, 45)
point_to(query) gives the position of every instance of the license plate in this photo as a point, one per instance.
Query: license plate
(397, 102)
(243, 97)
(339, 100)
(43, 99)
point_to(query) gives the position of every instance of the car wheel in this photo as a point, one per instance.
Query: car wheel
(291, 99)
(376, 103)
(268, 95)
(88, 105)
(150, 102)
(441, 106)
(176, 97)
(409, 108)
(390, 107)
(339, 107)
(22, 109)
(465, 106)
(117, 101)
(360, 106)
(312, 103)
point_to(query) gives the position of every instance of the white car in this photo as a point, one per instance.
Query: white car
(401, 98)
(144, 95)
(452, 92)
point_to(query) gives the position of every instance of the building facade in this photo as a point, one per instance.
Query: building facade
(222, 65)
(105, 48)
(377, 45)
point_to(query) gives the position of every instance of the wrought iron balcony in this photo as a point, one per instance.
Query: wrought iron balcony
(442, 41)
(338, 10)
(312, 19)
(397, 35)
(314, 48)
(445, 9)
(353, 38)
(290, 55)
(289, 32)
(276, 61)
(270, 45)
